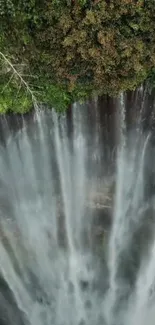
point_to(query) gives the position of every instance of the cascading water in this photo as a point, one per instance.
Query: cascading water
(128, 217)
(59, 190)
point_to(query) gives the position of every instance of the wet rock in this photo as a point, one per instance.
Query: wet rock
(84, 284)
(9, 311)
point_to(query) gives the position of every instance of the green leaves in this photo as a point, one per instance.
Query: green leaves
(7, 8)
(74, 48)
(56, 96)
(13, 100)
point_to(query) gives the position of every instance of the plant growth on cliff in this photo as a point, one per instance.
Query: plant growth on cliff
(67, 49)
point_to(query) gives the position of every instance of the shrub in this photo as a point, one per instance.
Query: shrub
(80, 46)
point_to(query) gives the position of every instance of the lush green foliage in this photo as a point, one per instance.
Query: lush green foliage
(69, 48)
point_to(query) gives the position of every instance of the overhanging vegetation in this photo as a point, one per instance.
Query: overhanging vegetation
(66, 50)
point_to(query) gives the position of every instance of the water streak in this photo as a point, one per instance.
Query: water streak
(57, 191)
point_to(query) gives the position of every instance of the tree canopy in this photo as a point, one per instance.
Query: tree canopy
(67, 49)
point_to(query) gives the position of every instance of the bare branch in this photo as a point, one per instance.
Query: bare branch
(7, 83)
(23, 82)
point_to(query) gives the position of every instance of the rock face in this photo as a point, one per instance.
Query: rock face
(9, 312)
(97, 217)
(99, 204)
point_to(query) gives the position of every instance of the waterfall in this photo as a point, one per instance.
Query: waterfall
(77, 241)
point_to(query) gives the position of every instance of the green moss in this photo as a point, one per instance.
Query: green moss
(11, 99)
(18, 100)
(55, 96)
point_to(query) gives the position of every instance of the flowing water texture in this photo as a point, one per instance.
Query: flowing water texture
(60, 189)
